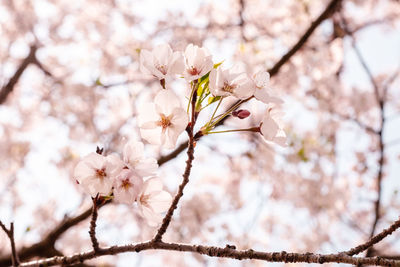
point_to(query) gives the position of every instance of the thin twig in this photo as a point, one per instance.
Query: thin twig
(374, 240)
(92, 230)
(221, 252)
(10, 234)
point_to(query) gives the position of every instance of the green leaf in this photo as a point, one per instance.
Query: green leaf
(218, 64)
(98, 82)
(302, 154)
(213, 99)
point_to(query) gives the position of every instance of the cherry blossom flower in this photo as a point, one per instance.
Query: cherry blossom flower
(162, 62)
(198, 62)
(95, 173)
(133, 157)
(230, 82)
(272, 127)
(263, 92)
(127, 186)
(152, 201)
(162, 122)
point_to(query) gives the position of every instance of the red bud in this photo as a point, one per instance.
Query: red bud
(241, 113)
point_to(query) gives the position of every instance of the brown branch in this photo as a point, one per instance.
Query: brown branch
(329, 10)
(10, 234)
(190, 154)
(9, 87)
(374, 240)
(92, 230)
(226, 252)
(46, 245)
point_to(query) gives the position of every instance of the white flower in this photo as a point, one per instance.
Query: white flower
(95, 173)
(263, 92)
(127, 186)
(230, 82)
(272, 127)
(133, 157)
(162, 62)
(198, 62)
(162, 122)
(152, 201)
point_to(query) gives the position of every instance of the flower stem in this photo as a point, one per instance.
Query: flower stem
(253, 129)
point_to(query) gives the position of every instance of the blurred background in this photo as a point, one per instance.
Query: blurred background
(70, 81)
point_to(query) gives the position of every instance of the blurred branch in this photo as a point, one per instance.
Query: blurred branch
(221, 252)
(380, 99)
(328, 11)
(9, 87)
(30, 59)
(10, 234)
(46, 245)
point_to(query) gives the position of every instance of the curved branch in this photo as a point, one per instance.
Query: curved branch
(227, 252)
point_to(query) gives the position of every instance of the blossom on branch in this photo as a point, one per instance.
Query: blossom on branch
(162, 62)
(162, 122)
(127, 186)
(272, 126)
(153, 200)
(230, 82)
(95, 173)
(198, 62)
(262, 90)
(134, 159)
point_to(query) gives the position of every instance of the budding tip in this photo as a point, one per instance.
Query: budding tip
(241, 114)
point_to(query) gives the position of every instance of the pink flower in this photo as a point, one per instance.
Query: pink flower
(152, 201)
(135, 160)
(272, 127)
(230, 82)
(263, 92)
(162, 122)
(127, 186)
(95, 173)
(162, 62)
(198, 62)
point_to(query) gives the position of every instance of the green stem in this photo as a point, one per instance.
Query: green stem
(253, 129)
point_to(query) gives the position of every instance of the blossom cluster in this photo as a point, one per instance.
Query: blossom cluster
(164, 120)
(132, 178)
(129, 179)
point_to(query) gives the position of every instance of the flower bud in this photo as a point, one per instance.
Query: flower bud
(241, 113)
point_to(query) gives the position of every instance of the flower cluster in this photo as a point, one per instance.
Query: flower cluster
(164, 120)
(129, 179)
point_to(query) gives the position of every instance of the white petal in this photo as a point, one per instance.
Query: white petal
(153, 136)
(147, 113)
(166, 101)
(160, 201)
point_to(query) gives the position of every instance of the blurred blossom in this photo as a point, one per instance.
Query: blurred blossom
(162, 122)
(95, 173)
(153, 201)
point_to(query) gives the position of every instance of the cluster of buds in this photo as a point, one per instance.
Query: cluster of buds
(132, 178)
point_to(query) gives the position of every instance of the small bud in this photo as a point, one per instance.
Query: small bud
(241, 113)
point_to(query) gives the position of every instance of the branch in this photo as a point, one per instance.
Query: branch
(227, 252)
(374, 240)
(10, 234)
(92, 230)
(275, 69)
(190, 154)
(47, 244)
(9, 87)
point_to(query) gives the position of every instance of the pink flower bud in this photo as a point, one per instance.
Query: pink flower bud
(241, 113)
